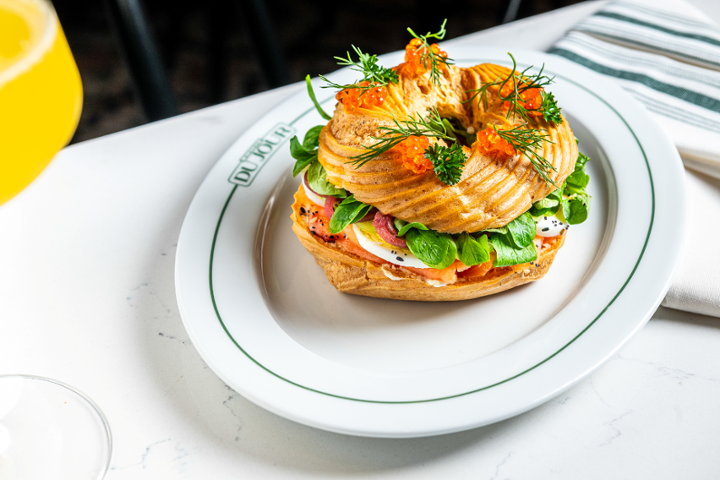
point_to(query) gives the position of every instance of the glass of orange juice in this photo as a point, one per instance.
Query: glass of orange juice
(40, 92)
(47, 428)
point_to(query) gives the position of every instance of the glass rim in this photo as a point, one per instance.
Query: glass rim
(27, 60)
(94, 406)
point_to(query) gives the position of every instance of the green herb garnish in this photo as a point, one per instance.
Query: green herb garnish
(550, 110)
(448, 162)
(527, 141)
(376, 75)
(430, 126)
(311, 94)
(521, 82)
(429, 59)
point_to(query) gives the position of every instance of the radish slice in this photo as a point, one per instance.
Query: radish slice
(385, 228)
(370, 215)
(316, 198)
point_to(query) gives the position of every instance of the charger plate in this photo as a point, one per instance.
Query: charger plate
(266, 320)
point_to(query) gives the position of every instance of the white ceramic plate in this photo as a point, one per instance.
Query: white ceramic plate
(266, 320)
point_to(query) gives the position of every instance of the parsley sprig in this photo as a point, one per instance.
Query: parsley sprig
(448, 162)
(521, 82)
(367, 65)
(527, 141)
(429, 58)
(550, 109)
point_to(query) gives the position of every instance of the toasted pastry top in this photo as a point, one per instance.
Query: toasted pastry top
(490, 192)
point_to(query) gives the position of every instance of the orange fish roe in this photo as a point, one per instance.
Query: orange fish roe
(530, 99)
(412, 153)
(354, 98)
(415, 64)
(490, 143)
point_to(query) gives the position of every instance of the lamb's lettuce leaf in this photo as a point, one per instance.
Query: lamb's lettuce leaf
(317, 181)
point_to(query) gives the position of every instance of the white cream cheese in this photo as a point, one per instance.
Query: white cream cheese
(549, 226)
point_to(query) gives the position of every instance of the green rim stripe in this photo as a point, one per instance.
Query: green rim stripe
(689, 96)
(660, 28)
(642, 253)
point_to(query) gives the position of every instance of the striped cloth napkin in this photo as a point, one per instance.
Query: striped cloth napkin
(666, 54)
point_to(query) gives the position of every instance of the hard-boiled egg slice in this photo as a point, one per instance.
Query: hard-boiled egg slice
(375, 245)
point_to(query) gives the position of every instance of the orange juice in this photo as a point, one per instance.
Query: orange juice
(40, 92)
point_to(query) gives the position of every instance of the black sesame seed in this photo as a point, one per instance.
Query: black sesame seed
(302, 210)
(400, 259)
(546, 229)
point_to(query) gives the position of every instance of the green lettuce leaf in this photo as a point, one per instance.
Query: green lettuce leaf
(548, 205)
(507, 253)
(347, 212)
(436, 250)
(473, 251)
(317, 180)
(312, 138)
(405, 227)
(522, 230)
(502, 230)
(302, 156)
(575, 209)
(581, 161)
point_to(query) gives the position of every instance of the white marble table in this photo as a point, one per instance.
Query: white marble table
(86, 275)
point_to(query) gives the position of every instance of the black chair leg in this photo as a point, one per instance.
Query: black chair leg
(512, 11)
(142, 58)
(257, 23)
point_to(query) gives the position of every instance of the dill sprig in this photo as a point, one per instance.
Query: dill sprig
(416, 125)
(526, 141)
(448, 162)
(376, 75)
(521, 82)
(429, 58)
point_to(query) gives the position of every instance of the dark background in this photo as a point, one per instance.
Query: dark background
(210, 57)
